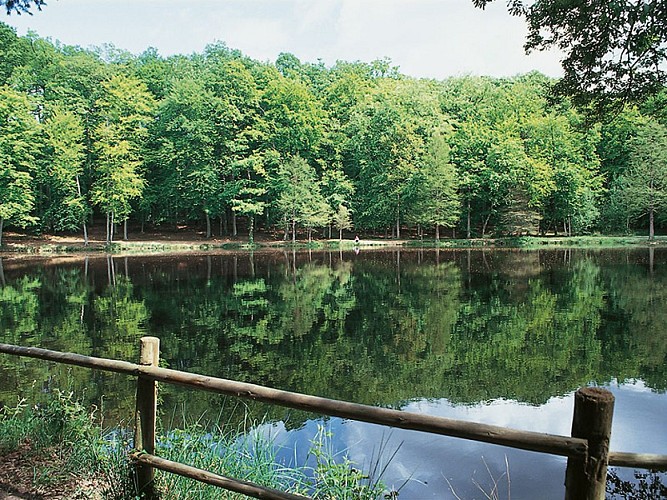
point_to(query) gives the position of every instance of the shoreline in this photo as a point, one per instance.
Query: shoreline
(15, 244)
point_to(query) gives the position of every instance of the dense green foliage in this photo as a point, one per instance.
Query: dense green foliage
(299, 148)
(614, 50)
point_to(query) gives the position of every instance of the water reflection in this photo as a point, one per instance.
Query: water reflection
(396, 328)
(428, 466)
(379, 328)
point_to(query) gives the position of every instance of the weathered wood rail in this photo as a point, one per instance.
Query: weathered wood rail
(587, 449)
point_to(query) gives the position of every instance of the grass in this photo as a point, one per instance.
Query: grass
(494, 490)
(536, 242)
(67, 446)
(165, 246)
(252, 456)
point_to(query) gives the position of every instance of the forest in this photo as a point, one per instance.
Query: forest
(231, 145)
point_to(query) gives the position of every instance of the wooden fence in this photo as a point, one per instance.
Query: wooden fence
(587, 448)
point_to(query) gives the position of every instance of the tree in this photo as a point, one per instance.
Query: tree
(67, 207)
(645, 184)
(18, 148)
(294, 118)
(239, 132)
(249, 203)
(338, 190)
(21, 6)
(478, 107)
(614, 153)
(342, 219)
(188, 168)
(125, 109)
(512, 185)
(615, 50)
(315, 212)
(438, 199)
(118, 180)
(13, 50)
(388, 132)
(566, 152)
(300, 200)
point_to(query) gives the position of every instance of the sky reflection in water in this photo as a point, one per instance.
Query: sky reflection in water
(429, 466)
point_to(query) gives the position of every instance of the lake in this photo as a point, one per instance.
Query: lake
(496, 336)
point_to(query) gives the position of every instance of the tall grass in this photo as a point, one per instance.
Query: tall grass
(63, 440)
(251, 455)
(66, 440)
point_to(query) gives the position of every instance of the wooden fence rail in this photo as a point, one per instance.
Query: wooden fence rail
(587, 449)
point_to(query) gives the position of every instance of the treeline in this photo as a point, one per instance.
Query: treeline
(230, 143)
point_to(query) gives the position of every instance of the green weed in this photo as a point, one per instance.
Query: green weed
(66, 440)
(14, 426)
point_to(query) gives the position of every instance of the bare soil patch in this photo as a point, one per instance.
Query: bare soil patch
(26, 475)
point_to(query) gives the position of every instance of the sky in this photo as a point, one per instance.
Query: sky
(424, 38)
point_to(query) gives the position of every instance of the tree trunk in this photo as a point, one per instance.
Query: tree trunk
(294, 231)
(208, 225)
(251, 236)
(340, 234)
(398, 217)
(2, 223)
(437, 233)
(107, 228)
(234, 227)
(569, 225)
(125, 229)
(468, 225)
(651, 228)
(310, 235)
(85, 229)
(486, 221)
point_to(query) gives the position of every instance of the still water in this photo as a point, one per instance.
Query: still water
(501, 337)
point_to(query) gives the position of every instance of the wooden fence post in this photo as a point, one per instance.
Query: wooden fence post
(146, 409)
(586, 479)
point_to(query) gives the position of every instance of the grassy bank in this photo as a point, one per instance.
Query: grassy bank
(537, 242)
(25, 245)
(60, 446)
